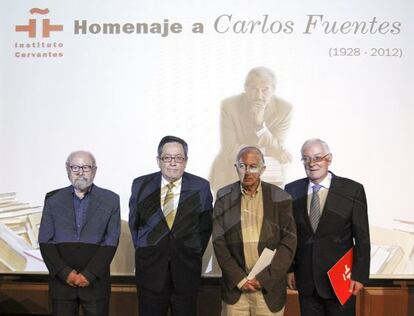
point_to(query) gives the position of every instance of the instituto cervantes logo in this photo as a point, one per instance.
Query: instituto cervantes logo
(39, 32)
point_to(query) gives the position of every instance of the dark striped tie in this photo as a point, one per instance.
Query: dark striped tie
(315, 207)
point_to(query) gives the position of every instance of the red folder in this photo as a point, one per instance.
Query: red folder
(340, 277)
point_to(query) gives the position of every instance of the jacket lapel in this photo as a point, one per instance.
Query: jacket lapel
(93, 206)
(330, 201)
(303, 204)
(154, 193)
(234, 221)
(235, 202)
(185, 192)
(67, 204)
(266, 231)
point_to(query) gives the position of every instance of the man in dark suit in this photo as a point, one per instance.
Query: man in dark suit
(170, 223)
(249, 216)
(331, 217)
(78, 237)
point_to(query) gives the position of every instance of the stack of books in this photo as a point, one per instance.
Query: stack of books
(19, 229)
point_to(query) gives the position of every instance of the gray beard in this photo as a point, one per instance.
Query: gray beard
(81, 184)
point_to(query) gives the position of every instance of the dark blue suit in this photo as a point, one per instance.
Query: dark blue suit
(164, 257)
(343, 225)
(90, 253)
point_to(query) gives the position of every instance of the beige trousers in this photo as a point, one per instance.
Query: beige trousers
(249, 304)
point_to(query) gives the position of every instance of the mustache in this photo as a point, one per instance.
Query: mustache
(82, 182)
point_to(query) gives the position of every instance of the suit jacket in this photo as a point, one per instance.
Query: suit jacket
(91, 254)
(343, 224)
(162, 254)
(278, 232)
(238, 129)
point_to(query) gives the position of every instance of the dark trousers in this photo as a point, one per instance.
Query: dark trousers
(157, 303)
(314, 305)
(71, 307)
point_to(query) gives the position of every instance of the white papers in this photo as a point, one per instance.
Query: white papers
(209, 267)
(264, 260)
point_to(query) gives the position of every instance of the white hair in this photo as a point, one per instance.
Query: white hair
(314, 141)
(82, 152)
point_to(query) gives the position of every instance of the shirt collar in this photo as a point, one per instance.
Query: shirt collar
(176, 183)
(325, 183)
(244, 192)
(86, 193)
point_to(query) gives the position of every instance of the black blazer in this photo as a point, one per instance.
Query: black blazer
(278, 232)
(91, 254)
(343, 224)
(161, 253)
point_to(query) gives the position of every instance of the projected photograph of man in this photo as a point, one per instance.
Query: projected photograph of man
(256, 117)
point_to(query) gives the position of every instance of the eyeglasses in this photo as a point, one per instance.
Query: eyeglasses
(85, 168)
(306, 159)
(177, 159)
(251, 169)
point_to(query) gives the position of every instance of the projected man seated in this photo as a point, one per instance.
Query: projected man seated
(254, 118)
(78, 237)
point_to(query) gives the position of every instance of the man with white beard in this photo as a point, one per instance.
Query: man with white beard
(78, 237)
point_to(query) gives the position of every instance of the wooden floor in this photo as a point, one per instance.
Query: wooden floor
(29, 296)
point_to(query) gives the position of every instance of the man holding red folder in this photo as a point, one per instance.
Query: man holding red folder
(331, 218)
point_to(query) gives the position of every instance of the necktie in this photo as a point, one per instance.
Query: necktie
(315, 207)
(168, 205)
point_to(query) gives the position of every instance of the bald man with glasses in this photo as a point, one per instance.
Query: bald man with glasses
(331, 217)
(249, 216)
(78, 237)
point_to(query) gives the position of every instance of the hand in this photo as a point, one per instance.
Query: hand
(81, 281)
(256, 284)
(72, 277)
(355, 287)
(257, 110)
(248, 287)
(291, 282)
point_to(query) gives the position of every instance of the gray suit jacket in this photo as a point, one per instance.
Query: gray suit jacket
(278, 232)
(91, 254)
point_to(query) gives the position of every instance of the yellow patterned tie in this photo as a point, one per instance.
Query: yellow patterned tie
(168, 205)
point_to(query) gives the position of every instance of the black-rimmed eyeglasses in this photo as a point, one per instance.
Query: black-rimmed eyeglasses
(177, 159)
(85, 168)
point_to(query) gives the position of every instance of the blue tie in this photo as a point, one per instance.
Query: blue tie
(315, 207)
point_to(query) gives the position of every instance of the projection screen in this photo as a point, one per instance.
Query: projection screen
(114, 77)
